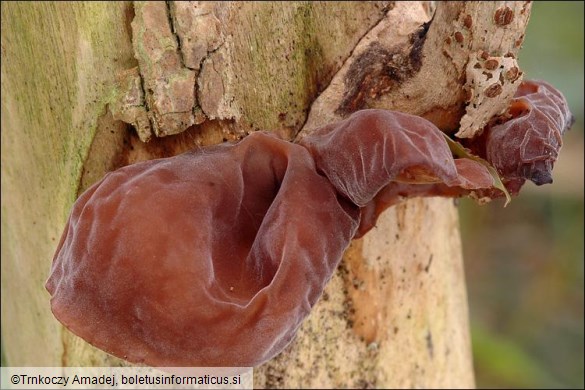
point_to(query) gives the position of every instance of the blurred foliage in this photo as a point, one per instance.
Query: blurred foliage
(553, 49)
(525, 280)
(524, 263)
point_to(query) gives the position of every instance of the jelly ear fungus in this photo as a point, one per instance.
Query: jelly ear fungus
(216, 256)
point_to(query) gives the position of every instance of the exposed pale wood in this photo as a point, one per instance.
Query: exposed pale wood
(393, 316)
(426, 74)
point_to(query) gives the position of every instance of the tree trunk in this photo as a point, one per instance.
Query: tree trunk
(395, 313)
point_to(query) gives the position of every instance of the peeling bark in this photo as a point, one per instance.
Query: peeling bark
(168, 86)
(224, 46)
(128, 104)
(198, 29)
(423, 68)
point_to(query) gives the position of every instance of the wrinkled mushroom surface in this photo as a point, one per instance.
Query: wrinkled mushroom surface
(524, 143)
(214, 257)
(210, 258)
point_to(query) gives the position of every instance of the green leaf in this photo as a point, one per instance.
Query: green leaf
(458, 150)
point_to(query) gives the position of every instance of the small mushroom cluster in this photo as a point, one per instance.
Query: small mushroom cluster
(214, 257)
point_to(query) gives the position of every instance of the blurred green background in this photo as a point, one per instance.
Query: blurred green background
(524, 263)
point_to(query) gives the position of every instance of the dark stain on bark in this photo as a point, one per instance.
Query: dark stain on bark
(378, 70)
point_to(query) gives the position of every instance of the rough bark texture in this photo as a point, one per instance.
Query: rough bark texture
(395, 314)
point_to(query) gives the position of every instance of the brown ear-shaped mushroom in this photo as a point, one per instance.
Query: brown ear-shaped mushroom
(210, 258)
(363, 153)
(373, 148)
(472, 178)
(526, 145)
(376, 157)
(214, 257)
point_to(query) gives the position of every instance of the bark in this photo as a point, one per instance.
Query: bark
(192, 74)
